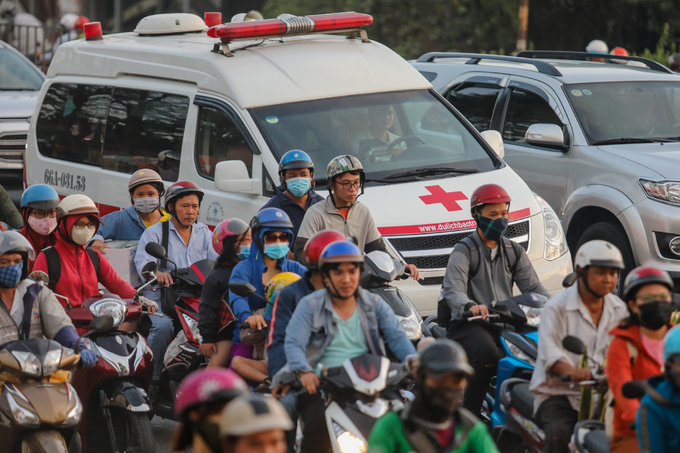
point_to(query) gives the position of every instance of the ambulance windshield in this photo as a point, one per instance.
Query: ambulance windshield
(391, 133)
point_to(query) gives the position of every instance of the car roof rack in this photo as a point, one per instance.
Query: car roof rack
(653, 65)
(475, 58)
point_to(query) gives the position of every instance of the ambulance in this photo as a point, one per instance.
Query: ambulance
(219, 104)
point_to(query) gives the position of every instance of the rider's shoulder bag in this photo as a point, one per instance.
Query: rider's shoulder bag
(54, 265)
(443, 310)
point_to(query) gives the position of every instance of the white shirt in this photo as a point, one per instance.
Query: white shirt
(17, 311)
(566, 314)
(366, 134)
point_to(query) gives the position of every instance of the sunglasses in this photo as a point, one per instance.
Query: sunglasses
(276, 237)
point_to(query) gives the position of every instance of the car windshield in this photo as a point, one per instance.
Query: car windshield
(16, 74)
(627, 112)
(397, 136)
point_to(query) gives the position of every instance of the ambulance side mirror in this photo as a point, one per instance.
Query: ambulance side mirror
(232, 176)
(495, 141)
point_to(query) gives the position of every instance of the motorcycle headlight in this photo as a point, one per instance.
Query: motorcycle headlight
(51, 361)
(517, 352)
(662, 190)
(21, 415)
(555, 240)
(411, 327)
(73, 415)
(29, 363)
(193, 327)
(533, 314)
(113, 307)
(349, 443)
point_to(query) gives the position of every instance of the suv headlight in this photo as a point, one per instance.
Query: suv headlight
(533, 314)
(662, 190)
(109, 306)
(555, 240)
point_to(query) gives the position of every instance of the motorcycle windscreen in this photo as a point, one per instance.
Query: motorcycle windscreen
(396, 299)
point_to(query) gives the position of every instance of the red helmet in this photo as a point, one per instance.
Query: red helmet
(645, 275)
(488, 194)
(619, 51)
(80, 23)
(182, 188)
(316, 244)
(207, 386)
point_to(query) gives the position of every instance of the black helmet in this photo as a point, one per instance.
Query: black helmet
(444, 357)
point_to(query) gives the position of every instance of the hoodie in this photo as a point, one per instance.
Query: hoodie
(658, 420)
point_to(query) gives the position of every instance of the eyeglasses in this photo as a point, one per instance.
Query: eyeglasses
(350, 185)
(276, 237)
(80, 226)
(42, 214)
(665, 297)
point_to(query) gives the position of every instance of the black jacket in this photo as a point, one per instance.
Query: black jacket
(216, 284)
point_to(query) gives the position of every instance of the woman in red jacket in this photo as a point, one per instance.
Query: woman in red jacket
(39, 211)
(78, 219)
(636, 352)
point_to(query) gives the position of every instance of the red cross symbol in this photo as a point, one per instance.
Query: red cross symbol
(448, 199)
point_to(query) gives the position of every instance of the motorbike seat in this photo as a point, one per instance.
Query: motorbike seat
(522, 400)
(596, 441)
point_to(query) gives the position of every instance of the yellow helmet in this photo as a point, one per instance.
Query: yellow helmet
(278, 282)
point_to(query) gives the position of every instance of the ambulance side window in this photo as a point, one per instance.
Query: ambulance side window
(145, 129)
(72, 121)
(219, 139)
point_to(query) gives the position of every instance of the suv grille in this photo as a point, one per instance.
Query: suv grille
(407, 245)
(12, 147)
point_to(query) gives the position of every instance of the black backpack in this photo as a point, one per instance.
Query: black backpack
(54, 265)
(443, 311)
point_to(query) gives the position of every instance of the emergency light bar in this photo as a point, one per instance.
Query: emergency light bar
(289, 25)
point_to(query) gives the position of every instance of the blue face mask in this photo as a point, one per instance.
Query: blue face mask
(299, 186)
(243, 251)
(10, 275)
(277, 250)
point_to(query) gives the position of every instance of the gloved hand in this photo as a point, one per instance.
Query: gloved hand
(149, 304)
(88, 359)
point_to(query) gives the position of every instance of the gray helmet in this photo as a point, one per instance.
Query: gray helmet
(444, 357)
(14, 242)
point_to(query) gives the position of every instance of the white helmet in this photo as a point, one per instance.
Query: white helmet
(76, 204)
(597, 46)
(69, 21)
(598, 253)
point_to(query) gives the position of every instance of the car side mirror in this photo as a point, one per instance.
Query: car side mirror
(232, 176)
(544, 134)
(495, 141)
(573, 345)
(243, 289)
(155, 250)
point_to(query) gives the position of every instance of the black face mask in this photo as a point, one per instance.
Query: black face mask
(210, 432)
(655, 315)
(436, 404)
(493, 229)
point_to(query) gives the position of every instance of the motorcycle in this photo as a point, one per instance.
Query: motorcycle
(380, 270)
(180, 302)
(516, 320)
(39, 409)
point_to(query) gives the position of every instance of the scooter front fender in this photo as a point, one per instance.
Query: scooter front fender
(128, 396)
(339, 423)
(43, 442)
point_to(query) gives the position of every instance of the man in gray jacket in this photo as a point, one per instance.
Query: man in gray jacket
(482, 269)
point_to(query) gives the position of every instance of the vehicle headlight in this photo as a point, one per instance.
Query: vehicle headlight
(555, 240)
(113, 307)
(73, 415)
(411, 327)
(350, 443)
(51, 361)
(517, 352)
(662, 190)
(29, 363)
(193, 327)
(21, 415)
(533, 314)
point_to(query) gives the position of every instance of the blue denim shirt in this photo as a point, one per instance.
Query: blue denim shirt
(251, 270)
(312, 328)
(125, 225)
(199, 248)
(294, 210)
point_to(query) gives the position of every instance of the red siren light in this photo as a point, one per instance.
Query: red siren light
(212, 19)
(93, 30)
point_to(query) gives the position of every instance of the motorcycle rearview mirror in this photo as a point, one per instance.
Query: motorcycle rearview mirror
(244, 289)
(573, 345)
(570, 279)
(40, 277)
(155, 250)
(149, 270)
(634, 390)
(100, 324)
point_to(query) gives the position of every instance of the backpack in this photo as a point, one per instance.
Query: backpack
(54, 265)
(443, 311)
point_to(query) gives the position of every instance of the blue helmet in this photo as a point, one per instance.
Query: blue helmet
(340, 252)
(671, 344)
(295, 158)
(40, 196)
(270, 219)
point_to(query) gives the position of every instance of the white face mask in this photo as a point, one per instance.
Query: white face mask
(83, 236)
(147, 205)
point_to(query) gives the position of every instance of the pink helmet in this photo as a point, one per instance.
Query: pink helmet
(226, 228)
(206, 386)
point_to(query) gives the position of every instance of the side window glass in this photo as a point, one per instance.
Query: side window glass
(72, 121)
(145, 130)
(219, 139)
(524, 109)
(475, 102)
